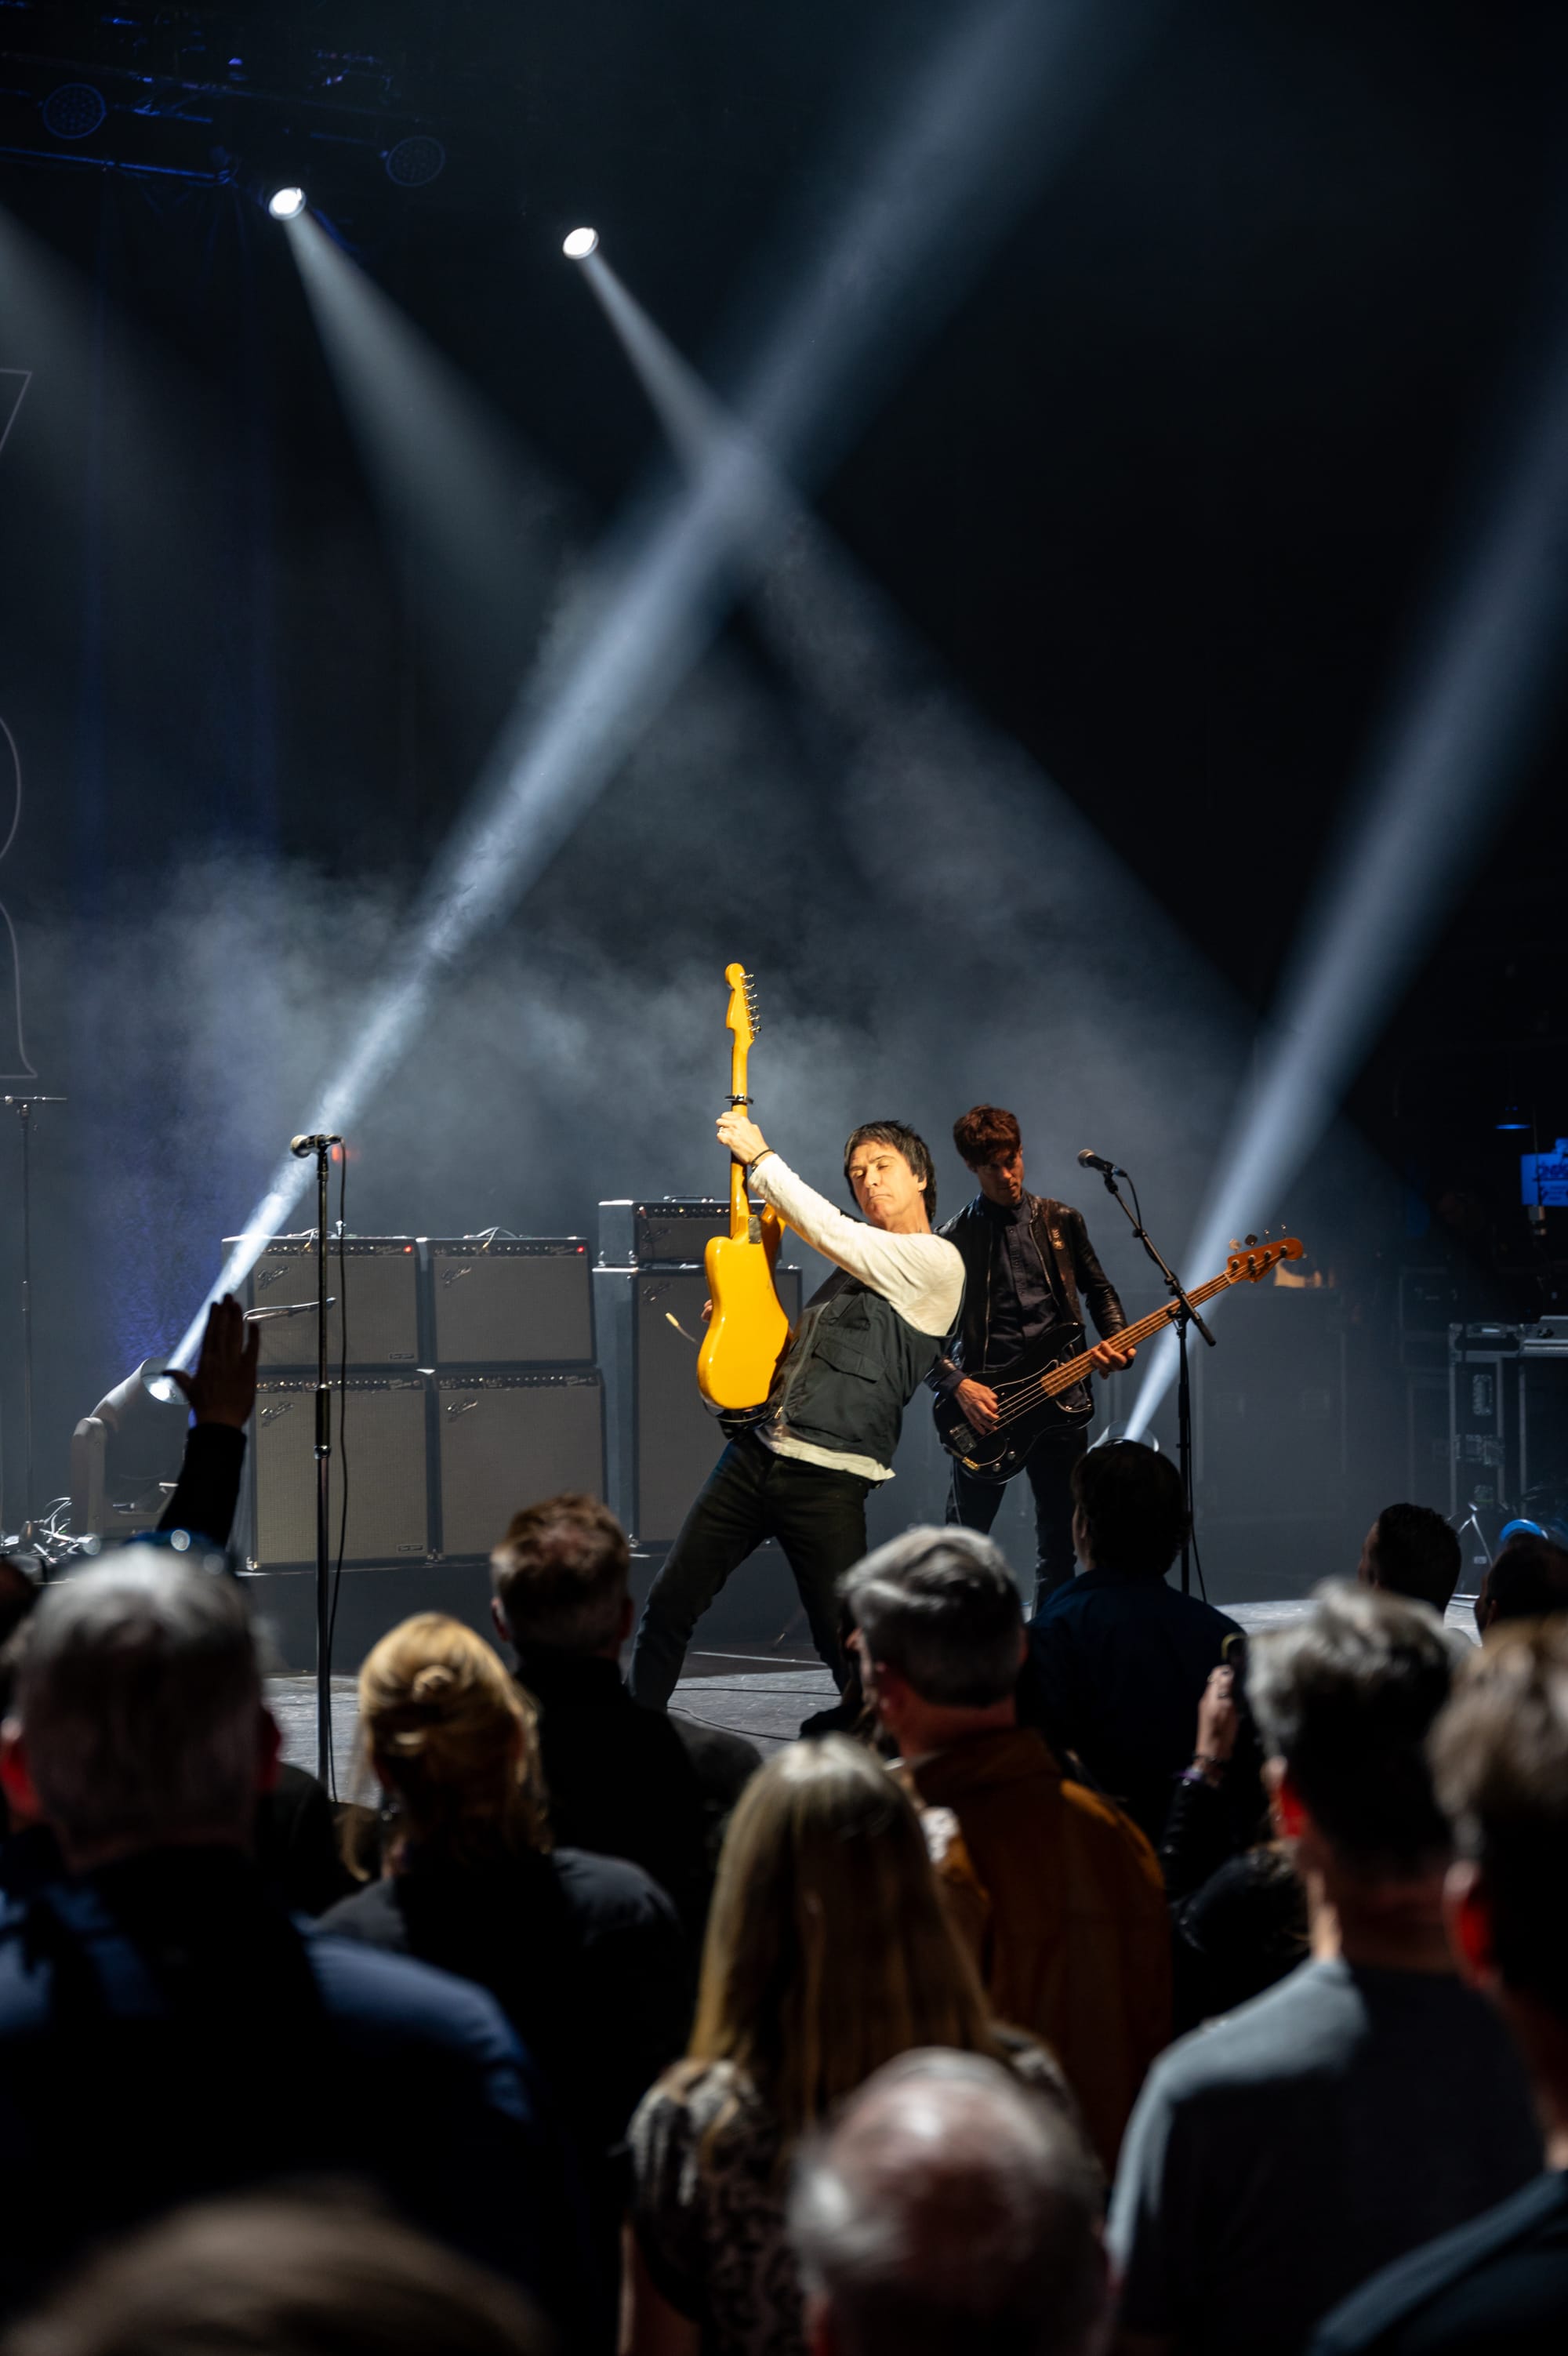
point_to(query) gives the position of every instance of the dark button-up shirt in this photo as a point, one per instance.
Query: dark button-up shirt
(1023, 1305)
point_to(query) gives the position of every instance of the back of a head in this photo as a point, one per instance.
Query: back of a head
(1346, 1697)
(453, 1740)
(1134, 1510)
(271, 2277)
(1528, 1580)
(1499, 1757)
(1415, 1553)
(941, 1607)
(560, 1574)
(828, 1949)
(140, 1697)
(950, 2212)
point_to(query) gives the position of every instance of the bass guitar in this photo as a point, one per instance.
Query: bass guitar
(747, 1331)
(1030, 1392)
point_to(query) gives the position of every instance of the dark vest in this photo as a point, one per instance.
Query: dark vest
(853, 1369)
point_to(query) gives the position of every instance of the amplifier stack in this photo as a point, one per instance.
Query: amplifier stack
(471, 1388)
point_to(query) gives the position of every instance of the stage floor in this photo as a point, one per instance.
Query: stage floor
(761, 1696)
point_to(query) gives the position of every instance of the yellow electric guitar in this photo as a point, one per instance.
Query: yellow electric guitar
(749, 1329)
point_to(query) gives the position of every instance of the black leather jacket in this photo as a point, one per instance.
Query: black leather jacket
(1077, 1279)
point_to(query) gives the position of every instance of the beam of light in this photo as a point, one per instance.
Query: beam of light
(456, 491)
(996, 107)
(1469, 708)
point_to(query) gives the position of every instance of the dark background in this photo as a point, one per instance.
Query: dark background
(1165, 501)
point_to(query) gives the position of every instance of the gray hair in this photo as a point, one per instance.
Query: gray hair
(138, 1694)
(1346, 1697)
(941, 1608)
(950, 2208)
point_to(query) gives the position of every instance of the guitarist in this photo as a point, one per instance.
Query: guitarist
(865, 1340)
(1027, 1259)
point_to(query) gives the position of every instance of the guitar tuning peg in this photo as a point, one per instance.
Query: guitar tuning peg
(1253, 1239)
(1234, 1245)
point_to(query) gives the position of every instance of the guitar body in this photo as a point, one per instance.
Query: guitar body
(748, 1331)
(998, 1456)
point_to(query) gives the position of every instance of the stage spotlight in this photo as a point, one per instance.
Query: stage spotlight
(1514, 1118)
(286, 204)
(74, 111)
(415, 161)
(580, 244)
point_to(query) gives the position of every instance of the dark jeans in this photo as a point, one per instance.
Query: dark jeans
(976, 1504)
(818, 1517)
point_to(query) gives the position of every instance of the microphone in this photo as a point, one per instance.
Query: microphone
(304, 1145)
(1087, 1161)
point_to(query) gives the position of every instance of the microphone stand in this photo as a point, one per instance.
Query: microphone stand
(323, 1151)
(1185, 1315)
(23, 1108)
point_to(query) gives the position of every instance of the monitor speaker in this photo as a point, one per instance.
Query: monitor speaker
(507, 1440)
(379, 1446)
(379, 1275)
(521, 1303)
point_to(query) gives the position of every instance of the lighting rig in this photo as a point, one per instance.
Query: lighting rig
(262, 98)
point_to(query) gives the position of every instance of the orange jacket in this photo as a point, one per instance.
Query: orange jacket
(1059, 1897)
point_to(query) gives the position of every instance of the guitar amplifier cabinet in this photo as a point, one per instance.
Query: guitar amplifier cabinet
(379, 1276)
(665, 1234)
(527, 1302)
(663, 1438)
(505, 1441)
(380, 1439)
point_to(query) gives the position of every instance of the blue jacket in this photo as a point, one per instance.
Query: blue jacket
(168, 2033)
(1117, 1666)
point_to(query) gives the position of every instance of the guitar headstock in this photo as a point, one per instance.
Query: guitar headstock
(742, 1016)
(1251, 1264)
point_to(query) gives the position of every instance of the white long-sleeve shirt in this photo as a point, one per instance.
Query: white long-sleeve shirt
(919, 1276)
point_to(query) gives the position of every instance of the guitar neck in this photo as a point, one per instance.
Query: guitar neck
(1062, 1378)
(740, 1204)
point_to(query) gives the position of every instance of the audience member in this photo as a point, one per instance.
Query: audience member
(1411, 1551)
(828, 1952)
(166, 2030)
(623, 1782)
(1058, 1893)
(294, 1837)
(1528, 1580)
(1238, 1908)
(1118, 1658)
(277, 2276)
(584, 1953)
(1370, 2101)
(948, 2213)
(1498, 2287)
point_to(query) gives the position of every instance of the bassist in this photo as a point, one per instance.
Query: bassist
(1027, 1262)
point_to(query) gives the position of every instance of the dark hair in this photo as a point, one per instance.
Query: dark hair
(1130, 1499)
(983, 1132)
(940, 1607)
(1347, 1698)
(560, 1573)
(913, 1148)
(323, 2276)
(1499, 1756)
(1415, 1553)
(1529, 1578)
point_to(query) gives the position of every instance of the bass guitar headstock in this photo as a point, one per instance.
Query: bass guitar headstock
(1249, 1263)
(742, 1016)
